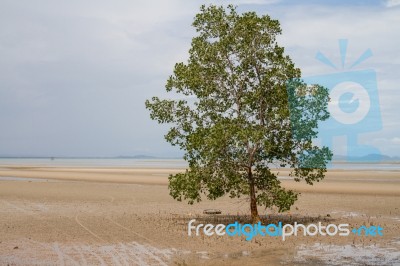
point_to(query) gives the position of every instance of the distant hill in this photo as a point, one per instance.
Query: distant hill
(370, 158)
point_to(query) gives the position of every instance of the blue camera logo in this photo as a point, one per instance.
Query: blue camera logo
(354, 106)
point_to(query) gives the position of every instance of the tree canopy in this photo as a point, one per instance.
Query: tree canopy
(243, 110)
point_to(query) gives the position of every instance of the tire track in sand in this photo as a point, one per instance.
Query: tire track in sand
(151, 253)
(87, 229)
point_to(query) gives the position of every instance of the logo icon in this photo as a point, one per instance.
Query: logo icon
(354, 104)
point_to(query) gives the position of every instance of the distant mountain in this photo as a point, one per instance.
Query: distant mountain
(370, 158)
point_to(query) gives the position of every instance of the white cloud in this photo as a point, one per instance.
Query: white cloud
(395, 140)
(74, 74)
(392, 3)
(313, 28)
(245, 2)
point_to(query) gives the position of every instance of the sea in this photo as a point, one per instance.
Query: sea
(161, 163)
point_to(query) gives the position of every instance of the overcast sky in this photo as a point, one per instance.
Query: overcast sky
(74, 75)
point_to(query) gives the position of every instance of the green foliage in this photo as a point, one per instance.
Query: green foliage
(233, 120)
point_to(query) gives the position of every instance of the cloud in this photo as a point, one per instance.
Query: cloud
(311, 28)
(246, 2)
(74, 75)
(395, 140)
(392, 3)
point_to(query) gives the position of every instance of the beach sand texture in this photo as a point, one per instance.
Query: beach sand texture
(125, 216)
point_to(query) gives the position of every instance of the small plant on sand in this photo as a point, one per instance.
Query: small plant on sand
(242, 108)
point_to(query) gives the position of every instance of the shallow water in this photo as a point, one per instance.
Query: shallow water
(30, 179)
(161, 163)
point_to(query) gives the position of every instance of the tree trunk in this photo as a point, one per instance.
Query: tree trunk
(253, 201)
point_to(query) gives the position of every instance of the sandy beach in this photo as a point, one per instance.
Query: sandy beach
(125, 216)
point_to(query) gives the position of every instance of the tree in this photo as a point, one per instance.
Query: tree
(242, 108)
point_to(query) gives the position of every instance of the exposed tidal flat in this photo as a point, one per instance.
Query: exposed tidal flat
(118, 211)
(162, 163)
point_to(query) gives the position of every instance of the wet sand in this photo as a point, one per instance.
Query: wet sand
(125, 216)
